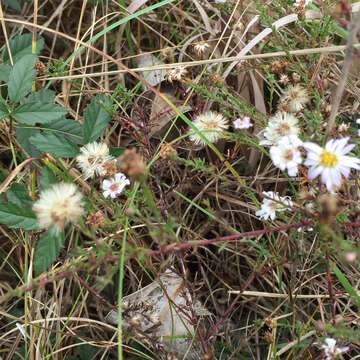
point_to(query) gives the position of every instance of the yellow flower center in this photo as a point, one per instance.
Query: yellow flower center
(328, 159)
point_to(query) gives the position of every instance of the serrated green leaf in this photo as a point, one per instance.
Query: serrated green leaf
(19, 195)
(5, 72)
(71, 128)
(23, 135)
(47, 178)
(3, 109)
(35, 112)
(21, 77)
(41, 96)
(18, 217)
(96, 119)
(47, 249)
(58, 145)
(21, 45)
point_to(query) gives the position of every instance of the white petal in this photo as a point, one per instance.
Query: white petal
(314, 172)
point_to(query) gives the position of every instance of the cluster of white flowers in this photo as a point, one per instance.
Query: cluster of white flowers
(92, 161)
(281, 134)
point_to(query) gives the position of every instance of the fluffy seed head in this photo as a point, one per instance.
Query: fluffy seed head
(57, 205)
(92, 158)
(296, 96)
(211, 125)
(280, 125)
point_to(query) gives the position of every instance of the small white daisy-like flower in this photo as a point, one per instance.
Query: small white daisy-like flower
(269, 207)
(201, 47)
(91, 159)
(286, 154)
(331, 350)
(57, 205)
(211, 124)
(176, 73)
(115, 186)
(242, 123)
(295, 96)
(343, 127)
(331, 162)
(280, 125)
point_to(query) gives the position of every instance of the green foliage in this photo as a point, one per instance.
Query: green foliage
(58, 145)
(47, 178)
(21, 77)
(18, 195)
(13, 4)
(5, 70)
(47, 249)
(4, 112)
(96, 118)
(37, 112)
(18, 216)
(21, 46)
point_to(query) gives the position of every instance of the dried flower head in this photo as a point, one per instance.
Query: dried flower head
(95, 219)
(115, 186)
(201, 47)
(280, 125)
(177, 73)
(40, 67)
(132, 163)
(278, 66)
(296, 96)
(343, 127)
(57, 205)
(296, 77)
(167, 151)
(284, 79)
(92, 158)
(331, 162)
(211, 124)
(110, 168)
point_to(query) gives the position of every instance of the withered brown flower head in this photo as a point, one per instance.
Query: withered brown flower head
(95, 219)
(132, 163)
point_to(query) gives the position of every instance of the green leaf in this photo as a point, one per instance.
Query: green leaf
(42, 96)
(58, 145)
(13, 4)
(21, 45)
(36, 112)
(19, 195)
(4, 112)
(18, 217)
(21, 78)
(47, 178)
(71, 128)
(5, 72)
(23, 135)
(47, 249)
(116, 151)
(96, 118)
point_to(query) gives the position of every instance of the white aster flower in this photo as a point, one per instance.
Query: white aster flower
(211, 125)
(286, 154)
(91, 159)
(115, 186)
(57, 205)
(331, 350)
(331, 162)
(295, 96)
(242, 123)
(280, 125)
(269, 207)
